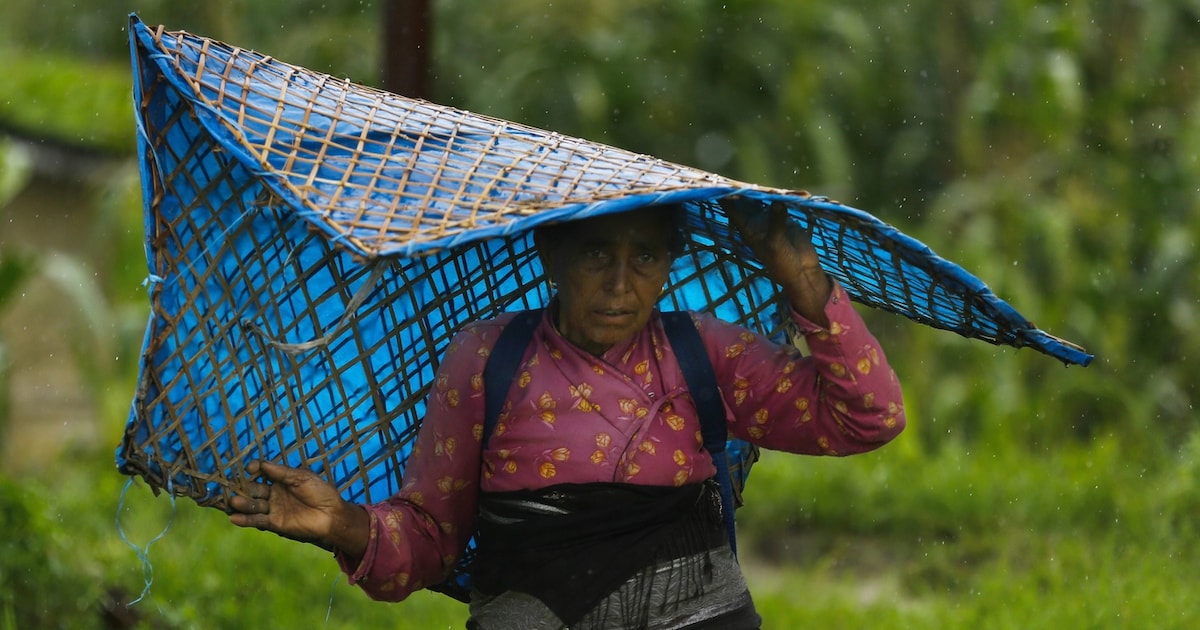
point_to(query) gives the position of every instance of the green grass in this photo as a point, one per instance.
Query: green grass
(882, 540)
(205, 572)
(1011, 579)
(1081, 538)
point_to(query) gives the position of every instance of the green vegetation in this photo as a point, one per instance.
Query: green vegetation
(982, 538)
(1049, 147)
(63, 539)
(67, 101)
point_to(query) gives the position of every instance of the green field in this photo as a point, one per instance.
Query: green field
(1048, 147)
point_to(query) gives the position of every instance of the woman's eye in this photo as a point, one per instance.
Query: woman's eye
(594, 258)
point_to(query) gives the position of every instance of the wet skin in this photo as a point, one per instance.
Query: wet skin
(609, 272)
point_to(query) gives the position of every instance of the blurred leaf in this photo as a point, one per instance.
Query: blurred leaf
(67, 100)
(15, 171)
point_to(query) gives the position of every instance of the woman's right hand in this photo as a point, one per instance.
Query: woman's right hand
(296, 503)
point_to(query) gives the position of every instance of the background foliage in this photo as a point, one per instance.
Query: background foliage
(1049, 147)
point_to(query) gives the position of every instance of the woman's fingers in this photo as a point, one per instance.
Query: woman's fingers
(744, 217)
(778, 218)
(756, 227)
(257, 521)
(257, 497)
(275, 472)
(258, 491)
(771, 233)
(250, 505)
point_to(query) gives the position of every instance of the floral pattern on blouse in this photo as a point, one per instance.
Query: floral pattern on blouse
(626, 416)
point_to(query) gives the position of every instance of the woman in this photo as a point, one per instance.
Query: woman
(593, 497)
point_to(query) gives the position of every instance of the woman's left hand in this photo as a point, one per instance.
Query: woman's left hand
(786, 252)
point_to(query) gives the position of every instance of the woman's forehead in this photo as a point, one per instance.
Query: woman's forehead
(641, 226)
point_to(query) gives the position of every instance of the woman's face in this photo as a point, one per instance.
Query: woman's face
(610, 271)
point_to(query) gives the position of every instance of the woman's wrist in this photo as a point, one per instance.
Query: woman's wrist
(349, 531)
(808, 292)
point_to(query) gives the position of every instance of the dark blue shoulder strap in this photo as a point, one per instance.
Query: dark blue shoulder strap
(702, 384)
(502, 366)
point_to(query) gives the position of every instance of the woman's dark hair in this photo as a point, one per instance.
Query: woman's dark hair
(676, 215)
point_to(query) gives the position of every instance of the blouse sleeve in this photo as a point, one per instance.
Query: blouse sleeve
(842, 399)
(417, 535)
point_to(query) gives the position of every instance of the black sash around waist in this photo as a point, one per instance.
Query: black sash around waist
(571, 545)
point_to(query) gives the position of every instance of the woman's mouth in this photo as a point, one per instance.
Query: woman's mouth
(614, 313)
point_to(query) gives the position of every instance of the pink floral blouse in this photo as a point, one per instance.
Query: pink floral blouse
(572, 417)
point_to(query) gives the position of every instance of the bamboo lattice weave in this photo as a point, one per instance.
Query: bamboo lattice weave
(313, 246)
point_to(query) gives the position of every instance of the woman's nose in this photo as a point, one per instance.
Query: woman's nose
(617, 277)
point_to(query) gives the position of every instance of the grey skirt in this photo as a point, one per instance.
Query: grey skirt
(721, 600)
